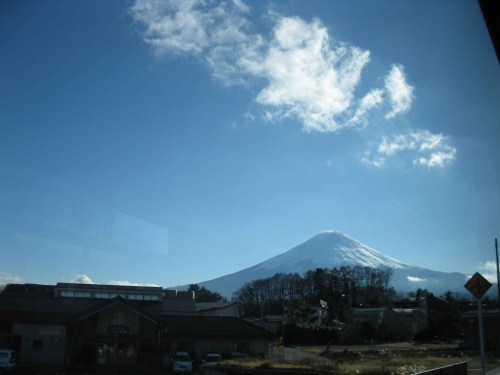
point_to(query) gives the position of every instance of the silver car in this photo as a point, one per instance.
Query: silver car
(182, 362)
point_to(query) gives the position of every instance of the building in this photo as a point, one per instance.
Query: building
(306, 315)
(88, 324)
(491, 329)
(218, 309)
(389, 322)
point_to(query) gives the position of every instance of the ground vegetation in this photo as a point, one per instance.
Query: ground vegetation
(402, 358)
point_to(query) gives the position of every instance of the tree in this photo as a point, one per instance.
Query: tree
(341, 288)
(202, 294)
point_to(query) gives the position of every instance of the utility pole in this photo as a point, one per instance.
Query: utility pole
(498, 272)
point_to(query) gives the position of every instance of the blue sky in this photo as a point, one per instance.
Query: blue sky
(169, 143)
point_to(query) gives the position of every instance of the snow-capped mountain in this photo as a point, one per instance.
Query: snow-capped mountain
(335, 249)
(329, 249)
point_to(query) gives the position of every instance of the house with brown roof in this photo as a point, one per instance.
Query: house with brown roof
(87, 324)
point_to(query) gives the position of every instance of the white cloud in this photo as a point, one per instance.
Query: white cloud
(299, 71)
(371, 100)
(215, 32)
(368, 158)
(438, 159)
(82, 279)
(128, 283)
(7, 278)
(176, 27)
(414, 279)
(241, 6)
(397, 143)
(307, 77)
(489, 270)
(423, 147)
(399, 91)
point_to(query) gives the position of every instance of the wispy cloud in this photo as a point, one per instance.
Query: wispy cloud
(489, 270)
(128, 283)
(415, 279)
(301, 72)
(371, 100)
(399, 91)
(426, 149)
(174, 27)
(216, 33)
(82, 279)
(7, 278)
(307, 77)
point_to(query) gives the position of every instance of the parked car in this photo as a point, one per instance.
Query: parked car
(182, 362)
(211, 359)
(7, 360)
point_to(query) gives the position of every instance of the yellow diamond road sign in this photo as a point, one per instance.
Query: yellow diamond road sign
(477, 285)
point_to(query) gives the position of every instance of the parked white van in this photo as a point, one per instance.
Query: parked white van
(7, 360)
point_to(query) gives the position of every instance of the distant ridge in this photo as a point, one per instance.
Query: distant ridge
(332, 249)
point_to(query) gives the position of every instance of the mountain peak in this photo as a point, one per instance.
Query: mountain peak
(336, 235)
(332, 232)
(334, 249)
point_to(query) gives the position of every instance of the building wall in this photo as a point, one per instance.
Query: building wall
(491, 331)
(115, 335)
(117, 316)
(41, 343)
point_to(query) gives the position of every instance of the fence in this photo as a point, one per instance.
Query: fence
(456, 369)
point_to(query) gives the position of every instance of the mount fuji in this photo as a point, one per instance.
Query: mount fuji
(335, 249)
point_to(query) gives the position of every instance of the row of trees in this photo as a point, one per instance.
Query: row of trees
(202, 294)
(340, 287)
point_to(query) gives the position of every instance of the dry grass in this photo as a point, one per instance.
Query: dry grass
(302, 365)
(387, 359)
(400, 361)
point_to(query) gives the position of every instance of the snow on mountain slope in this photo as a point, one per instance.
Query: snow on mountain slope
(330, 249)
(335, 249)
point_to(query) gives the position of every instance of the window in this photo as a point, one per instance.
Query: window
(151, 297)
(101, 295)
(136, 296)
(113, 295)
(82, 294)
(72, 293)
